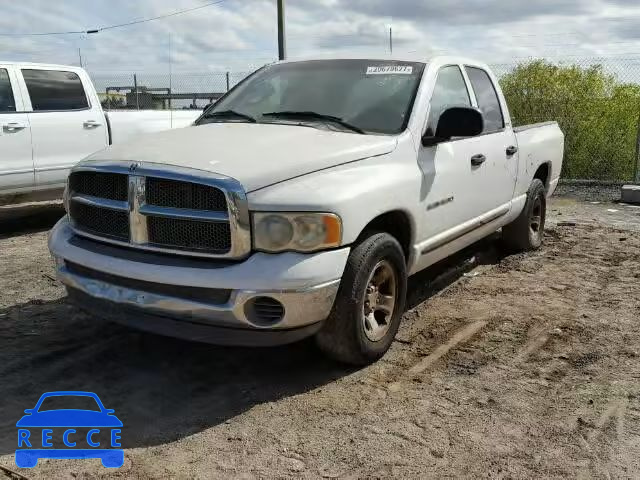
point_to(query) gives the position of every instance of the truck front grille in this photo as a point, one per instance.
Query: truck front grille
(189, 234)
(175, 194)
(100, 221)
(111, 186)
(156, 209)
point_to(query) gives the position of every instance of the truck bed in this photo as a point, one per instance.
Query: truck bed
(126, 124)
(522, 128)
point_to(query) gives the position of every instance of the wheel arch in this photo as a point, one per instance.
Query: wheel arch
(398, 224)
(543, 173)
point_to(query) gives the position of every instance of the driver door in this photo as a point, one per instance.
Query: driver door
(449, 190)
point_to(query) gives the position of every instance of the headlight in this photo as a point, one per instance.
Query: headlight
(300, 232)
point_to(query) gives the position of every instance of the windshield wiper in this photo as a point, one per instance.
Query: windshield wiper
(315, 116)
(230, 114)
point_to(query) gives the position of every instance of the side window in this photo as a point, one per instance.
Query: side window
(7, 101)
(487, 99)
(450, 91)
(55, 91)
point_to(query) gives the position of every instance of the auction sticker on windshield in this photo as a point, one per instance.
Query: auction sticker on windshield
(390, 70)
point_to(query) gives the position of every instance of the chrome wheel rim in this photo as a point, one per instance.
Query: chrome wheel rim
(379, 301)
(535, 222)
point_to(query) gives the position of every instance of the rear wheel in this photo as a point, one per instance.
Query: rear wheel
(527, 231)
(370, 303)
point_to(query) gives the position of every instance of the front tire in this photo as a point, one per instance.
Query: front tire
(526, 232)
(367, 312)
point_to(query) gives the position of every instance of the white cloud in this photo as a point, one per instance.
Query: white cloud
(240, 35)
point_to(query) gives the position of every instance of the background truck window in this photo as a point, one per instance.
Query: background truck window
(69, 402)
(450, 91)
(487, 97)
(7, 101)
(52, 90)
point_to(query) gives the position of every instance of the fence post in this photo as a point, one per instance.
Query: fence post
(637, 171)
(135, 86)
(228, 82)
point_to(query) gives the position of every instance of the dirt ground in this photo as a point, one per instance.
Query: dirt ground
(522, 366)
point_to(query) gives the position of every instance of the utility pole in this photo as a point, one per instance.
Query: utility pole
(80, 56)
(170, 78)
(390, 40)
(282, 42)
(637, 172)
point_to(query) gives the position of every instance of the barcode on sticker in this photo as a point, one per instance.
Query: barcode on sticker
(390, 70)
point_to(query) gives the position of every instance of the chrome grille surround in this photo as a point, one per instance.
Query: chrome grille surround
(236, 214)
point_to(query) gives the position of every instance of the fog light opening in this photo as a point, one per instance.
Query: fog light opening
(264, 311)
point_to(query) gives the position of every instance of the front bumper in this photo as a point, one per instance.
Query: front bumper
(305, 285)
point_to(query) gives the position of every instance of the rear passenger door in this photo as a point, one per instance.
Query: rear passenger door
(16, 162)
(495, 179)
(65, 126)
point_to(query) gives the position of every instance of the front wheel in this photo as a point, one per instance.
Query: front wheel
(526, 231)
(366, 314)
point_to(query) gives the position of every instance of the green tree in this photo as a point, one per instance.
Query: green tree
(598, 115)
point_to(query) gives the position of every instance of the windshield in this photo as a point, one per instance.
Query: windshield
(69, 402)
(373, 96)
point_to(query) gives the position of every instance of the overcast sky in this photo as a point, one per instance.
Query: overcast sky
(240, 35)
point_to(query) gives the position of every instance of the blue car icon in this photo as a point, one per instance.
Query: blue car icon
(97, 419)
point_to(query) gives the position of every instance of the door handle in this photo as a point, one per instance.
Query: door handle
(13, 127)
(91, 124)
(512, 150)
(478, 160)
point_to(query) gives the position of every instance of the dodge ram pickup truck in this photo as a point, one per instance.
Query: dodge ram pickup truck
(50, 119)
(300, 202)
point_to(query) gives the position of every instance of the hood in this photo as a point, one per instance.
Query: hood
(257, 155)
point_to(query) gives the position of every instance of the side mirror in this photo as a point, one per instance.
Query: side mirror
(456, 122)
(109, 411)
(29, 411)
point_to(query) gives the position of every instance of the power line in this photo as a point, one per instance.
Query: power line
(119, 25)
(159, 17)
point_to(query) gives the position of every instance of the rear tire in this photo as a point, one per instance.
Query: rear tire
(367, 312)
(526, 232)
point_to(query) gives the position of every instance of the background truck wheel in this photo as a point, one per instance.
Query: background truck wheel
(370, 303)
(526, 231)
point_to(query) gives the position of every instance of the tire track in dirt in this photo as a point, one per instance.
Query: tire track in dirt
(459, 337)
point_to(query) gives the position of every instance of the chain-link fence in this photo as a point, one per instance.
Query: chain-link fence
(595, 101)
(143, 91)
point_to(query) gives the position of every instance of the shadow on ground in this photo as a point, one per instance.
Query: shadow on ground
(20, 220)
(164, 389)
(161, 388)
(433, 280)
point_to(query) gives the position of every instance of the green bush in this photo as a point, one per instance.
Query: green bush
(598, 114)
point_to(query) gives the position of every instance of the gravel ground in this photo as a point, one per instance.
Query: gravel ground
(515, 366)
(586, 191)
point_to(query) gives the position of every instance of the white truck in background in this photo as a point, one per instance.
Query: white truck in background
(51, 118)
(300, 202)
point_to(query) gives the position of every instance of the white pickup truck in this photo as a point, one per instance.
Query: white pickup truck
(300, 203)
(50, 119)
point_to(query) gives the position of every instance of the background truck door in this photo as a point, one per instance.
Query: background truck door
(65, 125)
(16, 161)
